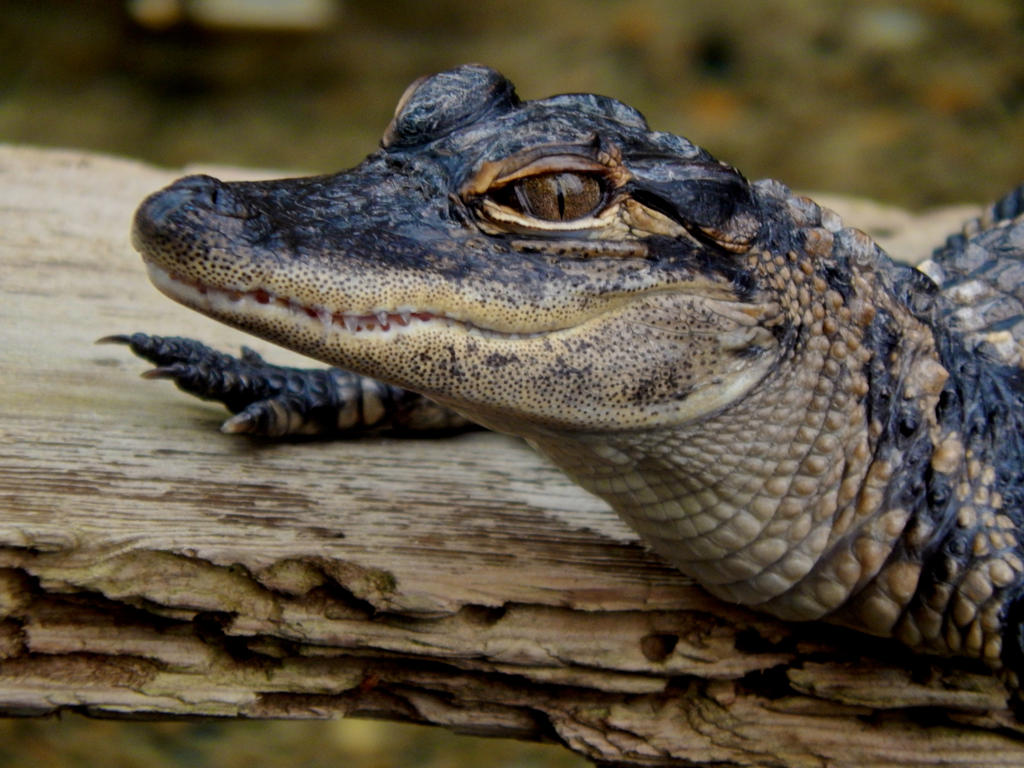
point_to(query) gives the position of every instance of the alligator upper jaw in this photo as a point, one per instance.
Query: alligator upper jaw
(234, 249)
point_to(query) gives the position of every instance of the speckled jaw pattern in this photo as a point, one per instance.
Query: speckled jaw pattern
(776, 407)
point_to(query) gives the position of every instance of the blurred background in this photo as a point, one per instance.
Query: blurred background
(916, 103)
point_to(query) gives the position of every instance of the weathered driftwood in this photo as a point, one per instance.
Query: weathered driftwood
(150, 565)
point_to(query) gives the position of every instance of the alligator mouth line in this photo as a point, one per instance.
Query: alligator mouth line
(199, 295)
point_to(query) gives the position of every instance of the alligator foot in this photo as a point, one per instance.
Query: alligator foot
(274, 401)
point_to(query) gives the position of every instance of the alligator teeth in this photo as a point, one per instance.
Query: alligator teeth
(325, 318)
(211, 299)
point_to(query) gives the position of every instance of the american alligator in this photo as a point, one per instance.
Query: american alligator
(780, 410)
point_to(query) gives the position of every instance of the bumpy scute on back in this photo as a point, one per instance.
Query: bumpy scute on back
(981, 273)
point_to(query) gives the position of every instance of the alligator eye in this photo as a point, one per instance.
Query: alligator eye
(553, 196)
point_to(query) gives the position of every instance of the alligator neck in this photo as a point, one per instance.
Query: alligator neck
(784, 500)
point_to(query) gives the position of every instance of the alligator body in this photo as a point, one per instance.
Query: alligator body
(782, 412)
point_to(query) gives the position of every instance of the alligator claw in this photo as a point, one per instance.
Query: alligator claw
(243, 423)
(114, 338)
(164, 372)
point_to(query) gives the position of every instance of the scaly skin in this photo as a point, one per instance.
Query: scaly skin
(776, 407)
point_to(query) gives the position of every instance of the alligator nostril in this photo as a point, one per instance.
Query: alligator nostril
(161, 212)
(198, 188)
(203, 192)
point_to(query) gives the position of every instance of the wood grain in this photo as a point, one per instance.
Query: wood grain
(150, 565)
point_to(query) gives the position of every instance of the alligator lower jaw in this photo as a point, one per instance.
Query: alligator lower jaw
(235, 306)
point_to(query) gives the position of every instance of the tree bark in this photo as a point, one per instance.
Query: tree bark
(150, 565)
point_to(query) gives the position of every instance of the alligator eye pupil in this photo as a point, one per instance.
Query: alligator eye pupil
(558, 196)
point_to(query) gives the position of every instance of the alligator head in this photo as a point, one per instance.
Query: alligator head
(540, 266)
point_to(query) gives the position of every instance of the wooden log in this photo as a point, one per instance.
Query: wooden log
(150, 565)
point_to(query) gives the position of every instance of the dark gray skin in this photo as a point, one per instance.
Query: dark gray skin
(781, 411)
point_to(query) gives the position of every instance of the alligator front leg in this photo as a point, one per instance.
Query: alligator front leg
(275, 401)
